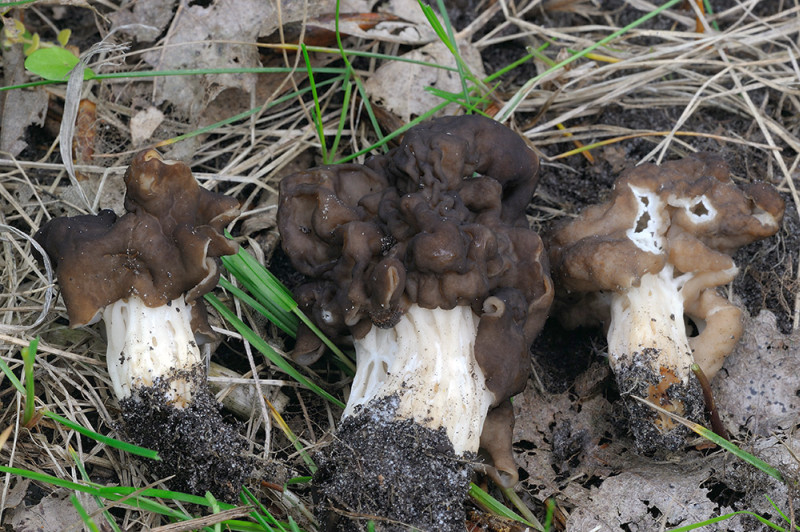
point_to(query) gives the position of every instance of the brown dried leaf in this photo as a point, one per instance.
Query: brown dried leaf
(400, 87)
(19, 109)
(53, 513)
(758, 386)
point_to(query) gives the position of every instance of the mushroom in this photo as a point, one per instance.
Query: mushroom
(653, 254)
(144, 274)
(425, 257)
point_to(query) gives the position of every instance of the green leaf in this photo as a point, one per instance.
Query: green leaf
(87, 520)
(494, 506)
(28, 357)
(54, 64)
(11, 377)
(267, 351)
(63, 36)
(111, 442)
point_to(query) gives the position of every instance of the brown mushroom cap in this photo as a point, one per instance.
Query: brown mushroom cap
(418, 226)
(164, 246)
(706, 218)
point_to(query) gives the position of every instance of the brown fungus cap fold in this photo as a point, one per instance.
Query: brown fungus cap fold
(165, 245)
(438, 221)
(705, 219)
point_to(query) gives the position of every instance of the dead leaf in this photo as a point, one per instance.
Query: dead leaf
(321, 31)
(85, 133)
(19, 109)
(402, 22)
(144, 123)
(400, 86)
(144, 20)
(757, 388)
(644, 496)
(575, 448)
(17, 493)
(53, 513)
(221, 35)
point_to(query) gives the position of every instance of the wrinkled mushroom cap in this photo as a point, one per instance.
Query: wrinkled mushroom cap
(704, 217)
(439, 221)
(164, 246)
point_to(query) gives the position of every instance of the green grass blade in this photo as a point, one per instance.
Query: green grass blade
(265, 518)
(267, 350)
(550, 506)
(214, 505)
(373, 119)
(116, 492)
(496, 507)
(317, 113)
(695, 526)
(4, 5)
(135, 497)
(84, 515)
(781, 513)
(294, 439)
(11, 377)
(719, 440)
(348, 89)
(260, 282)
(463, 70)
(49, 479)
(82, 470)
(111, 442)
(396, 133)
(28, 360)
(278, 320)
(515, 64)
(271, 293)
(361, 90)
(341, 357)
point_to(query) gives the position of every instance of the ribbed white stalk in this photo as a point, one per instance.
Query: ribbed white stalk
(427, 360)
(145, 344)
(650, 317)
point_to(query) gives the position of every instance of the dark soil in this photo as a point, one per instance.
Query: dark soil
(196, 445)
(655, 432)
(381, 466)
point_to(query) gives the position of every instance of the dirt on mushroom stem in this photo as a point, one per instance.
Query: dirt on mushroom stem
(204, 452)
(657, 433)
(379, 465)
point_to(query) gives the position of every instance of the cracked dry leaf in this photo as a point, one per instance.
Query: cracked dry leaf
(560, 437)
(644, 497)
(757, 389)
(53, 513)
(400, 87)
(574, 447)
(19, 109)
(221, 35)
(195, 41)
(144, 20)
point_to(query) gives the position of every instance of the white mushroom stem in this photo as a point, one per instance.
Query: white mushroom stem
(647, 325)
(146, 344)
(427, 360)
